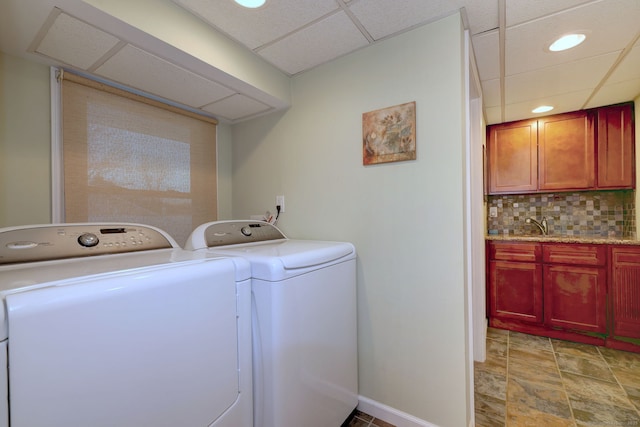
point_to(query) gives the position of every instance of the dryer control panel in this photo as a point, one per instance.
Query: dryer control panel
(63, 241)
(225, 233)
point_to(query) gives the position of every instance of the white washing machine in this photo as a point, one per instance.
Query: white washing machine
(305, 343)
(115, 325)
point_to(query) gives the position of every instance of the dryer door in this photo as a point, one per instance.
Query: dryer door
(149, 347)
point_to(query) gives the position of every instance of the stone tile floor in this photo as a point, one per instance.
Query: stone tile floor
(535, 381)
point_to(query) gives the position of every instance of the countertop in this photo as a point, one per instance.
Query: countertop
(564, 239)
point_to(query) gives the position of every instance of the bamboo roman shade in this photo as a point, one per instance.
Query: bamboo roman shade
(127, 158)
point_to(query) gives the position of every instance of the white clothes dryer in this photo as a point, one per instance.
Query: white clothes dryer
(115, 325)
(304, 317)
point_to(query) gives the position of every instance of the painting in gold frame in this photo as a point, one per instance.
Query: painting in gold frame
(389, 134)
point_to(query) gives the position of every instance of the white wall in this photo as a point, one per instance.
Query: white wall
(477, 222)
(406, 219)
(224, 158)
(25, 142)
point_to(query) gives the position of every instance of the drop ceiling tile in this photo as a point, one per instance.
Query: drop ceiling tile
(628, 69)
(611, 25)
(486, 47)
(559, 79)
(257, 27)
(519, 11)
(75, 43)
(384, 17)
(482, 15)
(316, 44)
(139, 69)
(236, 107)
(491, 93)
(627, 90)
(563, 103)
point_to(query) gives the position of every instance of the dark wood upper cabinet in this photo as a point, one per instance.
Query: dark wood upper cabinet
(513, 157)
(566, 152)
(616, 165)
(582, 150)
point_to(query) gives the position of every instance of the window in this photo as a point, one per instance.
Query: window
(127, 158)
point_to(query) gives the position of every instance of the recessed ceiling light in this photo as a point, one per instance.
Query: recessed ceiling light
(252, 4)
(542, 109)
(567, 42)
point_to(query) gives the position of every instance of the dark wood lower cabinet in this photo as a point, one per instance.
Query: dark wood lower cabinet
(625, 297)
(575, 298)
(577, 292)
(515, 282)
(517, 287)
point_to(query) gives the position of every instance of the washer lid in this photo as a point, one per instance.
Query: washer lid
(35, 276)
(281, 260)
(300, 253)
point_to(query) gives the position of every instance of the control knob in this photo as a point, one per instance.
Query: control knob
(246, 230)
(88, 240)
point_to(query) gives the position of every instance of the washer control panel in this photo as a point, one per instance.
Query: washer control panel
(63, 241)
(225, 233)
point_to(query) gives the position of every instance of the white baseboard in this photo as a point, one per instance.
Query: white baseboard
(389, 414)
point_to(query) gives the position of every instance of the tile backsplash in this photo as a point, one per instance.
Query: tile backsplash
(586, 214)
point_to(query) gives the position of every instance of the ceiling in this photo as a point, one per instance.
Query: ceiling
(509, 39)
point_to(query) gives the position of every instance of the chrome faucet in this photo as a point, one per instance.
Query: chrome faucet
(543, 226)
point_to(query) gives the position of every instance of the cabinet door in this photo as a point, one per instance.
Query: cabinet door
(513, 157)
(575, 297)
(615, 147)
(515, 291)
(566, 151)
(625, 291)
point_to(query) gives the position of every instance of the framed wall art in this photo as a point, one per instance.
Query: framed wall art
(389, 134)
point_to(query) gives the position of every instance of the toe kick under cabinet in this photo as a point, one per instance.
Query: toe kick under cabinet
(581, 292)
